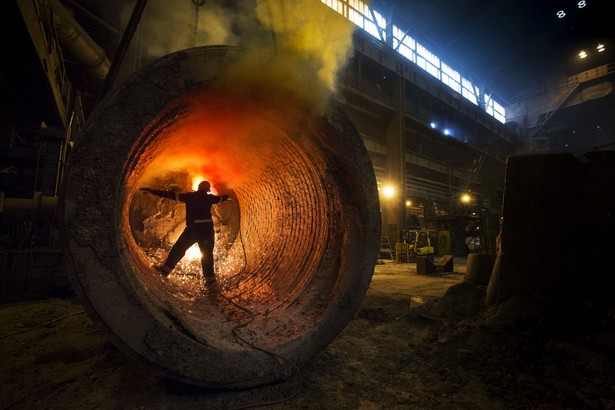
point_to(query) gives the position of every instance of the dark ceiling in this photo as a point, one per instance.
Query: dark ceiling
(510, 44)
(507, 45)
(504, 45)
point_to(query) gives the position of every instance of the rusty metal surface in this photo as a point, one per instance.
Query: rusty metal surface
(294, 264)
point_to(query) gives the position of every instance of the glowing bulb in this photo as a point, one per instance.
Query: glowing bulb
(465, 198)
(388, 191)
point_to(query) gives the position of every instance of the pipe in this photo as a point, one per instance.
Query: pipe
(295, 250)
(79, 42)
(40, 207)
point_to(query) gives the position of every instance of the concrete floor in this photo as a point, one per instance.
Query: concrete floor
(390, 355)
(401, 278)
(46, 363)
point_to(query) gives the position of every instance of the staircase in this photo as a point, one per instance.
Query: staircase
(544, 117)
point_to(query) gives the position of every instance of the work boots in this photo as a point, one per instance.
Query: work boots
(211, 284)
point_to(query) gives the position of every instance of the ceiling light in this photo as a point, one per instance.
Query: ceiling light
(583, 54)
(600, 47)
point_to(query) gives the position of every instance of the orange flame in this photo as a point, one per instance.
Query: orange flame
(218, 135)
(193, 253)
(196, 180)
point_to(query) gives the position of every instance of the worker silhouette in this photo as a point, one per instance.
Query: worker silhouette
(199, 229)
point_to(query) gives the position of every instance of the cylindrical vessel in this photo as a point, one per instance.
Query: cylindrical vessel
(294, 252)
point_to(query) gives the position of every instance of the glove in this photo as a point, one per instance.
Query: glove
(223, 198)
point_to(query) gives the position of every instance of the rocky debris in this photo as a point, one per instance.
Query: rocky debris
(528, 352)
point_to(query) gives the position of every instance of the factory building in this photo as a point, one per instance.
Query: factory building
(332, 138)
(438, 143)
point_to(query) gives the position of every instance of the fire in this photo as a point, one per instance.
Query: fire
(196, 180)
(193, 253)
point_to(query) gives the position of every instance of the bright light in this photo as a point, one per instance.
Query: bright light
(433, 125)
(193, 253)
(600, 48)
(376, 24)
(583, 54)
(447, 131)
(465, 198)
(196, 180)
(388, 191)
(408, 203)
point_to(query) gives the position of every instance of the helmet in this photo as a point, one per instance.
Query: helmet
(204, 185)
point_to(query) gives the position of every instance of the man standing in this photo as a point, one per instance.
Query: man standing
(199, 229)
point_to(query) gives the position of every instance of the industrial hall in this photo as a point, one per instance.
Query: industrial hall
(310, 204)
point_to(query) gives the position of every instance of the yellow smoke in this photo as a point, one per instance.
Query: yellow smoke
(296, 46)
(312, 42)
(291, 47)
(168, 26)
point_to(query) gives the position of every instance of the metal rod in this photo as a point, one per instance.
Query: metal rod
(123, 46)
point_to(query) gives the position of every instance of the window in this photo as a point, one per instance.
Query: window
(467, 90)
(451, 78)
(375, 24)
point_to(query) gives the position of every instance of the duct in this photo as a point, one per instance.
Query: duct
(40, 207)
(79, 42)
(295, 249)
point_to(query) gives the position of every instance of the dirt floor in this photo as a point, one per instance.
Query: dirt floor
(417, 342)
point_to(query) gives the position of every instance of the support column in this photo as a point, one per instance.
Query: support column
(396, 167)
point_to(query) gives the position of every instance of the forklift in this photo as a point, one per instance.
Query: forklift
(419, 243)
(417, 240)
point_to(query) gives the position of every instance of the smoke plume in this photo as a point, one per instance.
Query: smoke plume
(298, 47)
(293, 50)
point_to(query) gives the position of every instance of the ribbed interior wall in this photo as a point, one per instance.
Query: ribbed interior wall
(287, 222)
(284, 230)
(295, 248)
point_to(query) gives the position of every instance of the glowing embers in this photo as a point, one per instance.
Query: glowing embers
(192, 254)
(188, 266)
(157, 224)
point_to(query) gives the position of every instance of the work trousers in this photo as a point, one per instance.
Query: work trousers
(203, 235)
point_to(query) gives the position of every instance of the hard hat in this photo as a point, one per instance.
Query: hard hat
(204, 185)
